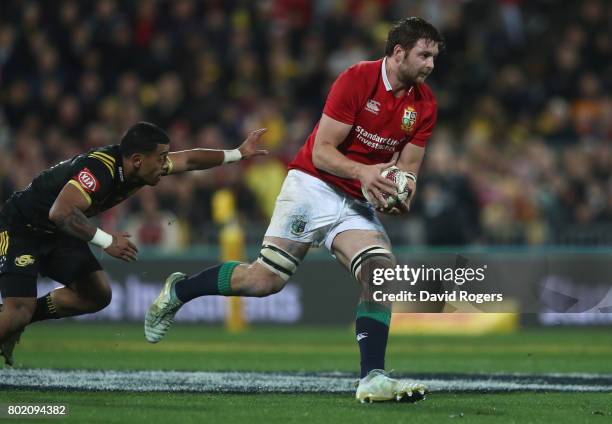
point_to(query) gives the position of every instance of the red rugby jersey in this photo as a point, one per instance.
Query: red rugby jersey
(382, 124)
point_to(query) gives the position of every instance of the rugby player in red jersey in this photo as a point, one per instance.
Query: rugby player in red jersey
(377, 114)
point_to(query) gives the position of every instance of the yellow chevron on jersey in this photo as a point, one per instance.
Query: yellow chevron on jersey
(4, 242)
(106, 155)
(106, 159)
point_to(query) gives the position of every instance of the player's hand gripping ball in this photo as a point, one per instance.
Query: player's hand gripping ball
(400, 179)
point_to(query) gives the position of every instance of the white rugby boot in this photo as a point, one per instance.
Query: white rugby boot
(160, 315)
(377, 386)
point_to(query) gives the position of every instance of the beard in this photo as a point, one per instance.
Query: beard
(406, 78)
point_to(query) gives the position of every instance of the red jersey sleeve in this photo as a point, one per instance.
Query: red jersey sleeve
(345, 97)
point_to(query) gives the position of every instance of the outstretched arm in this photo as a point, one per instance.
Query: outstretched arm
(198, 159)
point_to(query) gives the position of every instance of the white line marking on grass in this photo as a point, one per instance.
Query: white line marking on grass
(269, 382)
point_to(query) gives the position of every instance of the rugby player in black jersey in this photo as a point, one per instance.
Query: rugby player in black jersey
(45, 229)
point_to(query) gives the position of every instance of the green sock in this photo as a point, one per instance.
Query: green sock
(212, 281)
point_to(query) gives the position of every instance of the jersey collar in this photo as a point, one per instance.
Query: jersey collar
(121, 175)
(386, 80)
(119, 164)
(384, 74)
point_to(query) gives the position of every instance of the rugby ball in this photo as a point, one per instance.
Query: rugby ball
(400, 179)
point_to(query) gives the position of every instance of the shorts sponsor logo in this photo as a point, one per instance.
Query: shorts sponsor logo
(87, 180)
(298, 224)
(409, 119)
(24, 260)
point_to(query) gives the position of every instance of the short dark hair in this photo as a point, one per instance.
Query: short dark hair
(142, 137)
(406, 32)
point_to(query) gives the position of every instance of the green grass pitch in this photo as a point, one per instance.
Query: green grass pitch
(69, 345)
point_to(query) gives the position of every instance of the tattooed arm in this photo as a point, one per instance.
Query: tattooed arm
(73, 221)
(67, 214)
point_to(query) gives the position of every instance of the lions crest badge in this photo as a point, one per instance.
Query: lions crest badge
(409, 119)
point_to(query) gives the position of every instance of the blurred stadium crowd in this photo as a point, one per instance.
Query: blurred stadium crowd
(522, 153)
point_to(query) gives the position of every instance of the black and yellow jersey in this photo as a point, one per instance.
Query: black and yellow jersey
(98, 174)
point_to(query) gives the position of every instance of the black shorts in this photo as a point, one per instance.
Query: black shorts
(24, 255)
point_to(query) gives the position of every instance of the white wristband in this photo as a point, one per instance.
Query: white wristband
(102, 239)
(231, 156)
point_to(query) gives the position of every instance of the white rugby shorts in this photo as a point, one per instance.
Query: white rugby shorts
(309, 210)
